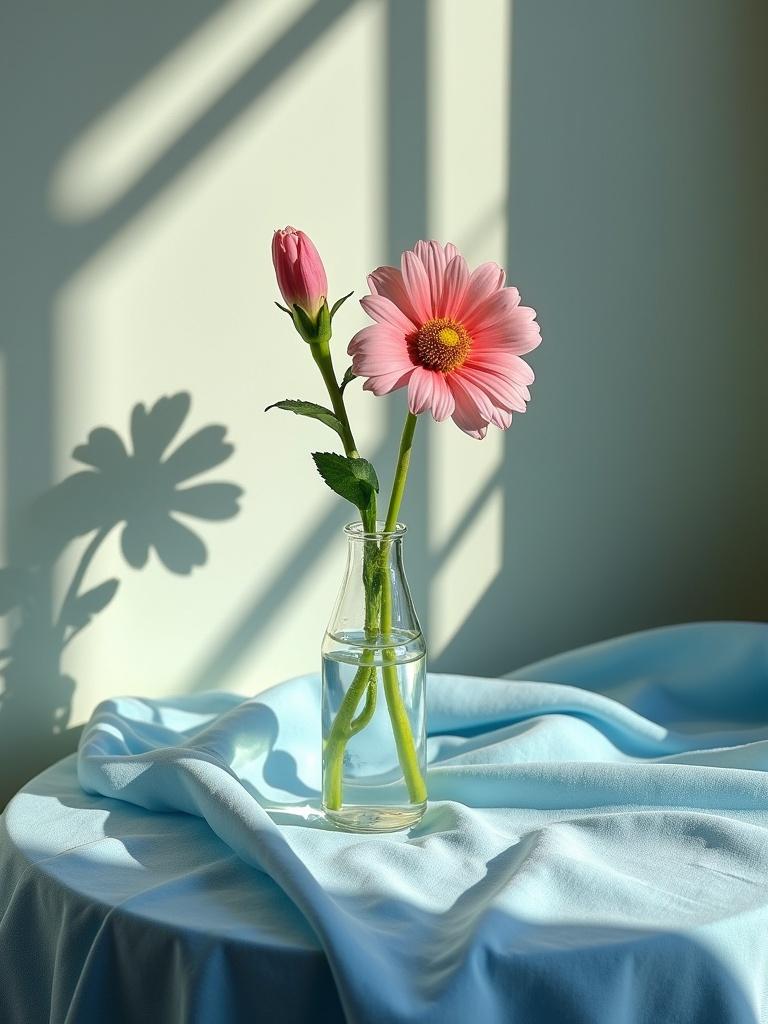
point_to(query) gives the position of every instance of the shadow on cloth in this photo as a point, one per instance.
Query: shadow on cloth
(198, 927)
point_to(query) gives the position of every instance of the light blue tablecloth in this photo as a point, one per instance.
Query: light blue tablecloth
(595, 850)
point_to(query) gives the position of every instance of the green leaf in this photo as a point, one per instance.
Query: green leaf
(311, 409)
(323, 328)
(284, 309)
(315, 331)
(339, 303)
(304, 323)
(353, 479)
(90, 603)
(347, 379)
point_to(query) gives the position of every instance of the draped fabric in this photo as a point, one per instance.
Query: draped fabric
(595, 850)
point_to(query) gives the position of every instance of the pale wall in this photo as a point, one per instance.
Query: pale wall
(608, 152)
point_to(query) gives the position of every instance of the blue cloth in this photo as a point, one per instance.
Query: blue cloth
(595, 850)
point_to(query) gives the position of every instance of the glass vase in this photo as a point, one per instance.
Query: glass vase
(373, 700)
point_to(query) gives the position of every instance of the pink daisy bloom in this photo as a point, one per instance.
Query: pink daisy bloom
(455, 338)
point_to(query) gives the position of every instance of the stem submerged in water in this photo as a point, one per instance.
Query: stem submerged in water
(344, 726)
(378, 620)
(401, 726)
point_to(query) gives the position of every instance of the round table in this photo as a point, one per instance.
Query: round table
(146, 918)
(594, 852)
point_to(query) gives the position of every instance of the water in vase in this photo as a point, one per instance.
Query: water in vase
(388, 675)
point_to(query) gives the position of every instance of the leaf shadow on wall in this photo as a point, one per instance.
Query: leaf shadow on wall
(139, 490)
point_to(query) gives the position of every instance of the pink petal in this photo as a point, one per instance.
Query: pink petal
(443, 402)
(454, 286)
(385, 311)
(379, 349)
(433, 282)
(299, 269)
(433, 256)
(377, 336)
(466, 418)
(516, 335)
(510, 377)
(501, 393)
(502, 419)
(483, 282)
(467, 415)
(420, 387)
(422, 251)
(388, 282)
(417, 286)
(492, 310)
(385, 383)
(374, 364)
(502, 362)
(460, 384)
(428, 389)
(310, 273)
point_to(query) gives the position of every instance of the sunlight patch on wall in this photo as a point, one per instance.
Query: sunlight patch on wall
(469, 126)
(181, 300)
(468, 146)
(115, 151)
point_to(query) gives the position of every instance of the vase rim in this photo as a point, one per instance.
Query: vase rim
(356, 531)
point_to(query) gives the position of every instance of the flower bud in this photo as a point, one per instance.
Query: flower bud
(300, 271)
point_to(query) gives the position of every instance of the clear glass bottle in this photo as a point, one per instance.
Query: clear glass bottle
(374, 713)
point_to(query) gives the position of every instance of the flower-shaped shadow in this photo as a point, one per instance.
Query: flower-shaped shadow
(138, 488)
(142, 488)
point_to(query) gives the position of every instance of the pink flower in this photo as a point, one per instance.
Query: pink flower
(455, 338)
(300, 271)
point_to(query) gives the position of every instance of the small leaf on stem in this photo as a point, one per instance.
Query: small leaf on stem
(347, 379)
(312, 410)
(353, 479)
(304, 323)
(339, 303)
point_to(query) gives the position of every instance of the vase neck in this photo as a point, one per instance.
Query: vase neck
(374, 599)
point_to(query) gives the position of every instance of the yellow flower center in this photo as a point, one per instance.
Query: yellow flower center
(441, 344)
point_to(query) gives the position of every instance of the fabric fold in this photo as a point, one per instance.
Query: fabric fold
(595, 849)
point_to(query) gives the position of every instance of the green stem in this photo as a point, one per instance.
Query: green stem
(401, 726)
(371, 695)
(401, 472)
(321, 353)
(345, 725)
(342, 729)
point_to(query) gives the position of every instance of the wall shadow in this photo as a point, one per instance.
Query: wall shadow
(404, 221)
(99, 56)
(140, 490)
(622, 211)
(635, 492)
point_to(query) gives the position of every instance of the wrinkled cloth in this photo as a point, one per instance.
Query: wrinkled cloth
(595, 850)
